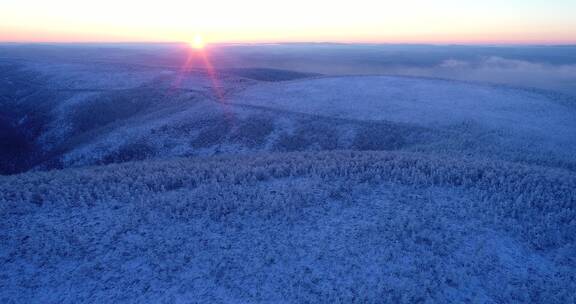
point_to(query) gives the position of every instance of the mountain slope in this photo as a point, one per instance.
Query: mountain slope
(483, 120)
(154, 183)
(70, 115)
(294, 227)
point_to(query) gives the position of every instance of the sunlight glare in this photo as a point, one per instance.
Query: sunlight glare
(197, 42)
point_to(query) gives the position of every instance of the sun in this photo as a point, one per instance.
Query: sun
(197, 42)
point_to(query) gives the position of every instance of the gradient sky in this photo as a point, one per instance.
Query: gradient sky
(411, 21)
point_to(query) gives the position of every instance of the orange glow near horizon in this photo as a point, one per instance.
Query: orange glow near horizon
(257, 21)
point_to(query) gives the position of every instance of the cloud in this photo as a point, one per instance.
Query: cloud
(508, 71)
(454, 64)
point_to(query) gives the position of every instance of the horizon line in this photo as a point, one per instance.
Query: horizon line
(222, 43)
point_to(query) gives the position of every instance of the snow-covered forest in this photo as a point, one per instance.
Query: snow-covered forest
(125, 182)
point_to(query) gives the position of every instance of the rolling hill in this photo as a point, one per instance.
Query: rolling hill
(149, 183)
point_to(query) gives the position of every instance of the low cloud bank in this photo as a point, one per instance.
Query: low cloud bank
(561, 78)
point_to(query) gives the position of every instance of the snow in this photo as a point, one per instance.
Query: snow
(414, 100)
(523, 121)
(95, 76)
(349, 189)
(296, 227)
(135, 112)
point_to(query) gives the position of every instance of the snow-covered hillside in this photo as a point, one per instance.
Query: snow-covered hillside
(149, 182)
(319, 227)
(514, 124)
(77, 114)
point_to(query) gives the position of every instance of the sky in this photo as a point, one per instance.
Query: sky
(228, 21)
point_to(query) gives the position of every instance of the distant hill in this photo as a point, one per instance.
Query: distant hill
(146, 181)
